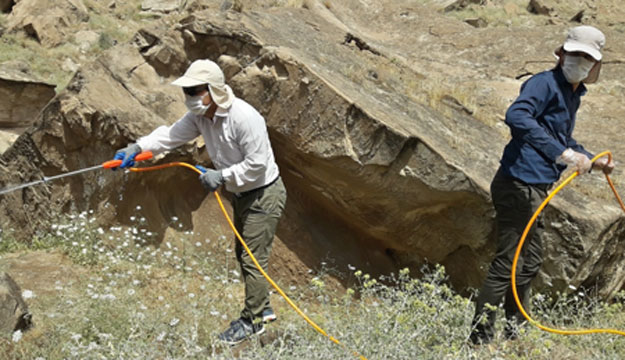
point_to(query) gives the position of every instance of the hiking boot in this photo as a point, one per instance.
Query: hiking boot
(269, 316)
(240, 330)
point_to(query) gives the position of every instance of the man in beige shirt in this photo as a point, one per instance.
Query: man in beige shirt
(238, 144)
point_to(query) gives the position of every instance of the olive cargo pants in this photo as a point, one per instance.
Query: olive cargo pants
(515, 202)
(256, 215)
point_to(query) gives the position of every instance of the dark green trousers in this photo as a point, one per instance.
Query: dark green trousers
(256, 215)
(515, 202)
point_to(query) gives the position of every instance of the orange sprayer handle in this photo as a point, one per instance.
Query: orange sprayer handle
(146, 155)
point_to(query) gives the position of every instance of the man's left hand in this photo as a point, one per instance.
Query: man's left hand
(603, 164)
(212, 179)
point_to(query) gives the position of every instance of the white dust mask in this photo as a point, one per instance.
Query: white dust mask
(576, 68)
(195, 105)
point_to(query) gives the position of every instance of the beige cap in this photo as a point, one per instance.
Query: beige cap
(208, 72)
(587, 39)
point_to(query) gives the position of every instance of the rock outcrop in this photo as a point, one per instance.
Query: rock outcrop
(47, 21)
(6, 5)
(387, 144)
(21, 99)
(14, 313)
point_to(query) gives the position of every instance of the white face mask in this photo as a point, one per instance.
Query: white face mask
(576, 68)
(195, 105)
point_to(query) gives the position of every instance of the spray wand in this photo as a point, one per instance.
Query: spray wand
(111, 164)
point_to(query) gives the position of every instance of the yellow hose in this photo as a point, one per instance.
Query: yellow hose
(275, 286)
(520, 246)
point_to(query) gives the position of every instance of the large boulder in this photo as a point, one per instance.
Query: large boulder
(47, 21)
(386, 146)
(14, 313)
(21, 97)
(6, 5)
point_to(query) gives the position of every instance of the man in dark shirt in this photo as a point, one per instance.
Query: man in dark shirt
(541, 122)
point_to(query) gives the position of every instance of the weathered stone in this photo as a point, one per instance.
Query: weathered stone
(162, 6)
(461, 4)
(47, 20)
(383, 171)
(70, 65)
(537, 7)
(14, 313)
(6, 5)
(230, 65)
(21, 98)
(578, 17)
(571, 10)
(476, 22)
(86, 39)
(8, 137)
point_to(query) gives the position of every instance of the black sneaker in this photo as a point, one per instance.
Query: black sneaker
(240, 330)
(269, 316)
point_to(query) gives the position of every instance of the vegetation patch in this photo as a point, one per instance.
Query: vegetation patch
(137, 299)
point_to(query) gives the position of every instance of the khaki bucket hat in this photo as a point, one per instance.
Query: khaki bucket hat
(208, 72)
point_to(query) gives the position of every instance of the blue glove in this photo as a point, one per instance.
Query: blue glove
(211, 179)
(127, 155)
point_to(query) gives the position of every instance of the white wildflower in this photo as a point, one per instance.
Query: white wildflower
(161, 336)
(17, 336)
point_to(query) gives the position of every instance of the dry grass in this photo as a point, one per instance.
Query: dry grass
(134, 300)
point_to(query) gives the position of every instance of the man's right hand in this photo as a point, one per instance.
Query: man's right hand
(127, 155)
(577, 160)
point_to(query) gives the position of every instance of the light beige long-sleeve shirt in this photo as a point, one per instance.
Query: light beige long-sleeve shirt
(236, 141)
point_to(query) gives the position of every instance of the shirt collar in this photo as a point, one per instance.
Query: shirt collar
(221, 112)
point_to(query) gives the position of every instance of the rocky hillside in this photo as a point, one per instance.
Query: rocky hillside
(386, 119)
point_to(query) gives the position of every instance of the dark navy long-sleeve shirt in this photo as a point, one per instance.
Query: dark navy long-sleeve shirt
(541, 122)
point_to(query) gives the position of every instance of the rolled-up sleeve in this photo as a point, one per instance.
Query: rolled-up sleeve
(522, 115)
(165, 138)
